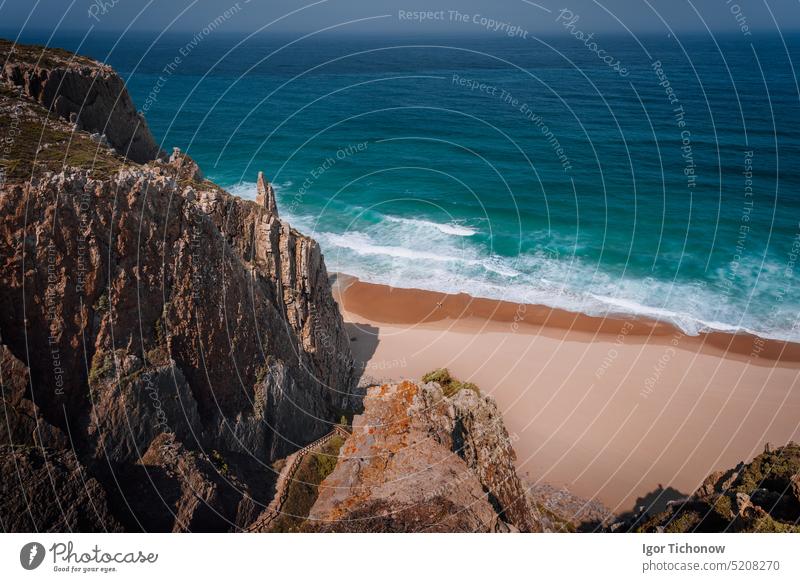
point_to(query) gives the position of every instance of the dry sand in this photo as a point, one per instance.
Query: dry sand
(622, 411)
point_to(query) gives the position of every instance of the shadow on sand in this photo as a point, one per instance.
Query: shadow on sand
(363, 343)
(643, 509)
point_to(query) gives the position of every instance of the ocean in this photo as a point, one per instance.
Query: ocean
(662, 181)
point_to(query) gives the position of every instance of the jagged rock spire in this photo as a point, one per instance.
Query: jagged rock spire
(266, 195)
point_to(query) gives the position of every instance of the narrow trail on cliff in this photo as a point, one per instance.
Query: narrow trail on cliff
(286, 476)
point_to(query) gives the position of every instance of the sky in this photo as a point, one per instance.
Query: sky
(396, 16)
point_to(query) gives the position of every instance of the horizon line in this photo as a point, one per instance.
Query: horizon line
(397, 33)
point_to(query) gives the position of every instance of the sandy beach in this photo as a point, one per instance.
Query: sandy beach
(624, 411)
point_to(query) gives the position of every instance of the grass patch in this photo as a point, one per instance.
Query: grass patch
(102, 366)
(45, 57)
(304, 489)
(40, 145)
(261, 373)
(158, 356)
(38, 141)
(723, 507)
(450, 386)
(159, 333)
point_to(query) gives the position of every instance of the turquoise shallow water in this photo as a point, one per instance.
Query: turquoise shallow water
(520, 169)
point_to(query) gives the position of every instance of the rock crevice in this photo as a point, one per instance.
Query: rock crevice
(166, 326)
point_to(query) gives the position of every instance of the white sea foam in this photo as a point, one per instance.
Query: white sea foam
(577, 288)
(246, 190)
(363, 245)
(452, 228)
(422, 254)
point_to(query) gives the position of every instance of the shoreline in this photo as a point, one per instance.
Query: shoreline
(401, 306)
(627, 411)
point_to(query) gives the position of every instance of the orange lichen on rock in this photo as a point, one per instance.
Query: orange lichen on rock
(405, 468)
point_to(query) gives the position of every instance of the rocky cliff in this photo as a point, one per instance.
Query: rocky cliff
(163, 343)
(81, 90)
(173, 339)
(760, 496)
(165, 346)
(420, 461)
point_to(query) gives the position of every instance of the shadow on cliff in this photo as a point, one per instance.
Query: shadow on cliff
(363, 343)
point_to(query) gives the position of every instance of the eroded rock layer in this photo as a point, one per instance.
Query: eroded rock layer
(174, 339)
(418, 461)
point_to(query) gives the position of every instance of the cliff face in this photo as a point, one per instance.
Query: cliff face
(81, 90)
(178, 338)
(163, 342)
(418, 461)
(50, 491)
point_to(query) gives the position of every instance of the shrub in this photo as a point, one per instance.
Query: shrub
(766, 524)
(723, 507)
(450, 386)
(442, 376)
(219, 462)
(159, 332)
(102, 304)
(102, 365)
(158, 356)
(325, 460)
(560, 524)
(770, 469)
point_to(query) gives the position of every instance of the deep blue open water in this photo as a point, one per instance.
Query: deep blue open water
(671, 191)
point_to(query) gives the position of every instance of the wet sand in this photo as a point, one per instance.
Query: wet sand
(626, 411)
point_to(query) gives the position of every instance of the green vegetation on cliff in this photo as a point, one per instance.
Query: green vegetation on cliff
(304, 488)
(40, 142)
(762, 496)
(450, 386)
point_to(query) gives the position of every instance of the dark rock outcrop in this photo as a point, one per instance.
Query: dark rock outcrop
(760, 496)
(172, 488)
(23, 423)
(46, 490)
